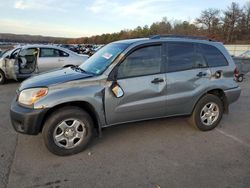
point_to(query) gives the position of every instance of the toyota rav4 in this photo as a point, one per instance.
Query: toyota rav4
(128, 81)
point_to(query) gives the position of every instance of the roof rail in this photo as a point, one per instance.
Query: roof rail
(180, 36)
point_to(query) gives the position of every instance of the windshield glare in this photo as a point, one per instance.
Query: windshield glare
(101, 60)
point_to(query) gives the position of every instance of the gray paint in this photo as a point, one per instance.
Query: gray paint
(177, 95)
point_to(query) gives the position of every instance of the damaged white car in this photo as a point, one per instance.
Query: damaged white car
(23, 62)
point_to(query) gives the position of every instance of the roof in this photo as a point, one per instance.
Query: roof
(131, 41)
(47, 46)
(179, 38)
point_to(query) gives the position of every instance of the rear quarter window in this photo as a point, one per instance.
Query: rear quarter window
(213, 56)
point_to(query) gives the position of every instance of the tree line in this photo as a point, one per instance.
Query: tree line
(231, 25)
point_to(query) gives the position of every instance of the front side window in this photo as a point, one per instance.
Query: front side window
(213, 56)
(143, 61)
(28, 52)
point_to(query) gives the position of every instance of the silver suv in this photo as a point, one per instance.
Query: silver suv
(128, 81)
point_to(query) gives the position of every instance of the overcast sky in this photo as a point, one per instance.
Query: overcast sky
(77, 18)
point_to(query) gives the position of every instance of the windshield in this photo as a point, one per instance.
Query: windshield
(101, 60)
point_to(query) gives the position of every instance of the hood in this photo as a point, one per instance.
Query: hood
(54, 77)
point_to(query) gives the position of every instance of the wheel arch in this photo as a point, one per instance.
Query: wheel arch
(82, 105)
(219, 93)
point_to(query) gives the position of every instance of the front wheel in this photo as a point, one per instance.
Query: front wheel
(207, 113)
(2, 77)
(68, 131)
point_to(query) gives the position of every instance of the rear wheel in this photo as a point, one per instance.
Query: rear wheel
(240, 78)
(207, 113)
(68, 131)
(2, 77)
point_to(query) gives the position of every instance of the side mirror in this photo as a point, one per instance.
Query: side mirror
(7, 57)
(117, 90)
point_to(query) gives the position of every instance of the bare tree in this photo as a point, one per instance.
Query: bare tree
(210, 18)
(231, 20)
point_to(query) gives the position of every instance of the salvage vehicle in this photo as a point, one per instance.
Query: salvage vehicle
(1, 52)
(23, 62)
(128, 81)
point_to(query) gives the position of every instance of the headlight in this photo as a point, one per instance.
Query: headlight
(30, 96)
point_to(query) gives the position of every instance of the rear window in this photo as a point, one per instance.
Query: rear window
(213, 56)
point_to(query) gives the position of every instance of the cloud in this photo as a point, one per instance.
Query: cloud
(43, 5)
(37, 28)
(21, 5)
(136, 10)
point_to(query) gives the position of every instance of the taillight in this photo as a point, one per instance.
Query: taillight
(236, 72)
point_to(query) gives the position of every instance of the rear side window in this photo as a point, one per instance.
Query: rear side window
(213, 56)
(51, 52)
(180, 56)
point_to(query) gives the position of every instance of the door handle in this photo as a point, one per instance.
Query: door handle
(157, 80)
(201, 74)
(60, 60)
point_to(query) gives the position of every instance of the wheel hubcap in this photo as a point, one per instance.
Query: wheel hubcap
(209, 114)
(69, 133)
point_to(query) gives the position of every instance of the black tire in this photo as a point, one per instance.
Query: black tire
(195, 118)
(59, 116)
(2, 77)
(240, 78)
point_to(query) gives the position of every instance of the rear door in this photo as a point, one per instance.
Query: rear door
(217, 63)
(49, 59)
(141, 87)
(187, 74)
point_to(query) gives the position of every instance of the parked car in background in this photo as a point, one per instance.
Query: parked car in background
(128, 81)
(69, 47)
(245, 54)
(94, 49)
(23, 62)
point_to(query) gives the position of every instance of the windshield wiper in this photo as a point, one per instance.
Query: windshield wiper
(77, 68)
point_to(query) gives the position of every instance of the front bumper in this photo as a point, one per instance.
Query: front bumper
(232, 94)
(26, 120)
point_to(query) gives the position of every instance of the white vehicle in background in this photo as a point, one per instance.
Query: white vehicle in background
(26, 61)
(246, 54)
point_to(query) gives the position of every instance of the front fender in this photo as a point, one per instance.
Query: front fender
(92, 94)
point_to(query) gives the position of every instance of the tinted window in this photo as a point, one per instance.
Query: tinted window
(213, 56)
(63, 54)
(50, 52)
(144, 61)
(180, 56)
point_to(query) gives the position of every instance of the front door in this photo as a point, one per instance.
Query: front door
(142, 86)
